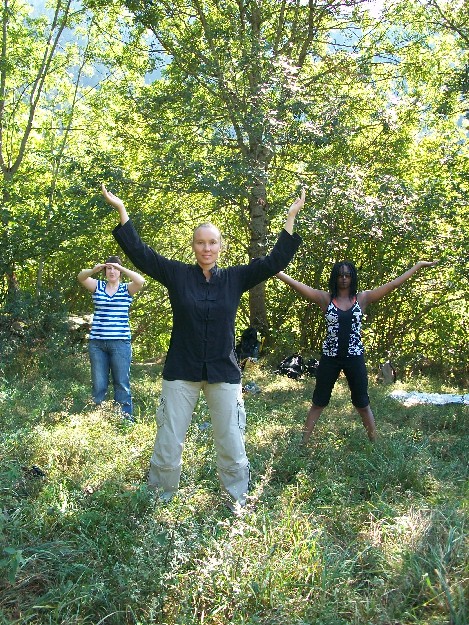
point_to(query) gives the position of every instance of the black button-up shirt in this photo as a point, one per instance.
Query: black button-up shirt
(202, 344)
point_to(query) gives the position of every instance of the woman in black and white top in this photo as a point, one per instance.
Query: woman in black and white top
(109, 342)
(343, 350)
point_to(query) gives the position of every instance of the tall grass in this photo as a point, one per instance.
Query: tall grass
(342, 532)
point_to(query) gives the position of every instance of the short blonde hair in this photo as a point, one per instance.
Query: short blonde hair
(209, 224)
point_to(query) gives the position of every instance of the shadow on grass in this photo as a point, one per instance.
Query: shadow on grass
(342, 531)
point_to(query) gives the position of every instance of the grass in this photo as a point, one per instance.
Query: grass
(343, 532)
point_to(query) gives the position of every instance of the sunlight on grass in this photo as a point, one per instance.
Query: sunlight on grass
(340, 532)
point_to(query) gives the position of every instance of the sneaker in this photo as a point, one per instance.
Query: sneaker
(235, 507)
(166, 497)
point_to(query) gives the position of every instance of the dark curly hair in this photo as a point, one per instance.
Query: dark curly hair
(335, 274)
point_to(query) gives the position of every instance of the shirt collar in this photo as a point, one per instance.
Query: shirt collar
(214, 270)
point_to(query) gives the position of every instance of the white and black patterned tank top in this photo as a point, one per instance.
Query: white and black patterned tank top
(344, 328)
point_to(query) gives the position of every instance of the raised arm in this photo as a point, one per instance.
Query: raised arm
(321, 298)
(293, 211)
(84, 277)
(117, 203)
(136, 280)
(368, 297)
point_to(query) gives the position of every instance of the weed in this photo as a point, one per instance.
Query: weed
(337, 533)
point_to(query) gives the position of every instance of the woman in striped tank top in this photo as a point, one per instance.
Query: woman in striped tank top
(343, 350)
(109, 342)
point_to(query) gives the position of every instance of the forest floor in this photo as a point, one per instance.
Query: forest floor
(341, 532)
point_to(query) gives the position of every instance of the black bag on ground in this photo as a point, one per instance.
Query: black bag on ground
(311, 367)
(249, 345)
(291, 366)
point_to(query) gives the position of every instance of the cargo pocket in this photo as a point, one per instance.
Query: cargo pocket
(241, 416)
(161, 412)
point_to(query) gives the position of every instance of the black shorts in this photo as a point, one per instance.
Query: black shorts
(357, 377)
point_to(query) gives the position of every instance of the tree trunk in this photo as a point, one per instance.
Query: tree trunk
(257, 247)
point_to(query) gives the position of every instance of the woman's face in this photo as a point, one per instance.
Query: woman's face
(206, 244)
(344, 279)
(112, 274)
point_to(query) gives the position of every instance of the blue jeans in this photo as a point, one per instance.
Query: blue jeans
(111, 355)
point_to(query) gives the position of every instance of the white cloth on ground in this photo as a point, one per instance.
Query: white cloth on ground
(412, 398)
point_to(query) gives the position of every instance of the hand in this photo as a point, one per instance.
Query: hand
(293, 211)
(114, 266)
(298, 203)
(112, 199)
(427, 263)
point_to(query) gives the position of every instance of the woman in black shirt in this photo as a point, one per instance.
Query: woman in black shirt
(201, 356)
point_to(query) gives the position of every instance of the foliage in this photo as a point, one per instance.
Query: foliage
(368, 111)
(341, 532)
(51, 158)
(32, 331)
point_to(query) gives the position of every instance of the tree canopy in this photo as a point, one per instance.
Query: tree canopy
(220, 110)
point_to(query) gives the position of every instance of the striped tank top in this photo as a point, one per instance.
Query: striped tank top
(111, 313)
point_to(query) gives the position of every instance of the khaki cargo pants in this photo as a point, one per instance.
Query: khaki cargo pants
(228, 416)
